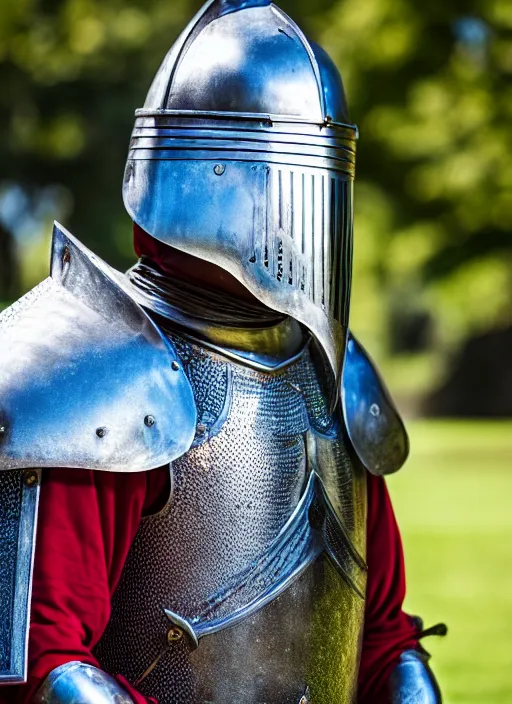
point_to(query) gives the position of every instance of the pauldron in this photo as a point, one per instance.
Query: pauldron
(86, 378)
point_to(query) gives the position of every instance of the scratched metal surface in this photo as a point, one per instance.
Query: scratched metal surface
(86, 378)
(233, 493)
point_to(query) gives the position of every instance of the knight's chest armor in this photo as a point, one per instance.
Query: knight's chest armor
(248, 587)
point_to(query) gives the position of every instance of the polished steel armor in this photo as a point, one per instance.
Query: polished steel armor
(375, 428)
(86, 378)
(412, 680)
(259, 551)
(243, 155)
(78, 683)
(19, 495)
(249, 584)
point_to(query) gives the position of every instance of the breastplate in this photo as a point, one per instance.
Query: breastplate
(248, 587)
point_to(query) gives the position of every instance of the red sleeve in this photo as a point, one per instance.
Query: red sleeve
(87, 522)
(388, 630)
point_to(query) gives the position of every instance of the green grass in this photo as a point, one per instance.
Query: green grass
(453, 501)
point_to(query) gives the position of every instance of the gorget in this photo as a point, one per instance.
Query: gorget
(248, 586)
(240, 329)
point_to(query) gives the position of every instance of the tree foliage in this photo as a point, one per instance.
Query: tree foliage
(430, 88)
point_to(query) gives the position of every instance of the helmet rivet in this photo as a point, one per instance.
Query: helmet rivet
(175, 365)
(201, 428)
(2, 429)
(219, 169)
(101, 432)
(30, 478)
(374, 410)
(149, 421)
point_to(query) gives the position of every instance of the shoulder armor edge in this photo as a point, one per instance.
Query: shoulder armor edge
(373, 423)
(87, 379)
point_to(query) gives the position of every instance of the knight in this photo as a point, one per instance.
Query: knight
(201, 442)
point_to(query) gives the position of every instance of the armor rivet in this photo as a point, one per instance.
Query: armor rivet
(174, 634)
(101, 432)
(375, 410)
(219, 169)
(2, 429)
(30, 478)
(175, 366)
(149, 421)
(66, 256)
(201, 428)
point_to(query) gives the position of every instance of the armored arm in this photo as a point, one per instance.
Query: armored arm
(86, 380)
(379, 438)
(412, 681)
(79, 683)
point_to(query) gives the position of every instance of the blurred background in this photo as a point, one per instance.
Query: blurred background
(430, 86)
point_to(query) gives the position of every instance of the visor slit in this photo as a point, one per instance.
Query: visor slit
(322, 239)
(313, 242)
(267, 211)
(319, 245)
(303, 209)
(343, 253)
(292, 219)
(337, 253)
(280, 197)
(350, 250)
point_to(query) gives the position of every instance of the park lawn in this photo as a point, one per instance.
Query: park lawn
(453, 501)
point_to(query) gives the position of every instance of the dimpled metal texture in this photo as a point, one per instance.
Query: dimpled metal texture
(233, 493)
(211, 383)
(19, 495)
(10, 511)
(342, 476)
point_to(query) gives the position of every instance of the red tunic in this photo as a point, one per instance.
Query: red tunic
(87, 522)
